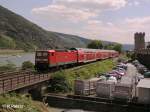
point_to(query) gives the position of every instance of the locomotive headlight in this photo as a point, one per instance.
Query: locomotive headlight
(38, 59)
(41, 59)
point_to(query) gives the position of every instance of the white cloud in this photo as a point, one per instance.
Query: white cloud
(138, 23)
(138, 20)
(110, 23)
(79, 17)
(93, 4)
(94, 22)
(61, 12)
(134, 3)
(122, 32)
(77, 10)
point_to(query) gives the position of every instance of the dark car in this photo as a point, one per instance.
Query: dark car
(147, 74)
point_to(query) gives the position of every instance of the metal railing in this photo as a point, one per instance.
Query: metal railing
(17, 80)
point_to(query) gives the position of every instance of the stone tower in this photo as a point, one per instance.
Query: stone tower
(139, 40)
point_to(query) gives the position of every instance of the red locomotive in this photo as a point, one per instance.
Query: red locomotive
(45, 59)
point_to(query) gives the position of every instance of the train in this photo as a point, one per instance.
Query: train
(46, 59)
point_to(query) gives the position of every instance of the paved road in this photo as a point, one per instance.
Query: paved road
(131, 70)
(130, 77)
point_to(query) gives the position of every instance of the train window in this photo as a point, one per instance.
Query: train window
(45, 54)
(39, 54)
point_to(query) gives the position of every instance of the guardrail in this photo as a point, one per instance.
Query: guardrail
(11, 81)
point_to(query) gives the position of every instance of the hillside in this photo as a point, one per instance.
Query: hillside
(18, 33)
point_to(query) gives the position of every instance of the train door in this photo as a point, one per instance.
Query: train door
(85, 57)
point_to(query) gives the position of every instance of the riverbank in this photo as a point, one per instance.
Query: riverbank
(10, 52)
(16, 57)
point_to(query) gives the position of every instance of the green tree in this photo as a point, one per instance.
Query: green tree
(95, 44)
(133, 56)
(118, 47)
(60, 82)
(27, 65)
(109, 46)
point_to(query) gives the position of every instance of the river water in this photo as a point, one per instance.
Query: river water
(17, 59)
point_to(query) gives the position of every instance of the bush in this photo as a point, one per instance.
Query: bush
(118, 47)
(59, 83)
(27, 65)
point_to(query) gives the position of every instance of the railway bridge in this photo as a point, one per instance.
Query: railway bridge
(24, 81)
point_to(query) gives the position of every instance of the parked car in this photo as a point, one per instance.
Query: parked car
(122, 73)
(147, 75)
(139, 77)
(115, 74)
(119, 69)
(135, 63)
(124, 66)
(142, 69)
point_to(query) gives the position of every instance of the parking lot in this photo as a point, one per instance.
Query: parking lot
(131, 70)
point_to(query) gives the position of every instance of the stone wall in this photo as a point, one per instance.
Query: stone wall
(68, 103)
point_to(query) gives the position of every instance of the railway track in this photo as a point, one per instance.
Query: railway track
(17, 73)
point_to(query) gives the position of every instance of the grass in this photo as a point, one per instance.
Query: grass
(17, 99)
(63, 81)
(8, 67)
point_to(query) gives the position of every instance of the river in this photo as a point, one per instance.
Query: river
(17, 59)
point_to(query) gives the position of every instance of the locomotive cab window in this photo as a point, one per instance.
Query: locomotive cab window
(45, 54)
(39, 54)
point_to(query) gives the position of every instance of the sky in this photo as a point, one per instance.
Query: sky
(110, 20)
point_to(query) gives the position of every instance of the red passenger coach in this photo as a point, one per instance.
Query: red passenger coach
(85, 55)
